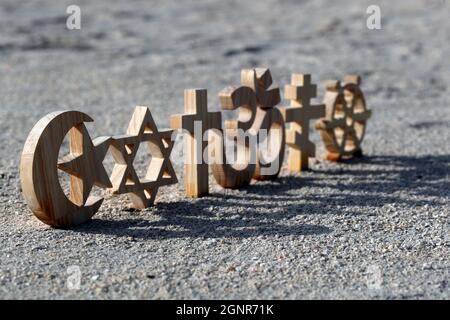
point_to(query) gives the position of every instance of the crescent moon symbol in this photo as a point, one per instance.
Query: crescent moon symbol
(39, 174)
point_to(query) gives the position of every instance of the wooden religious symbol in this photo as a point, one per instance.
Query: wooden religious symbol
(239, 171)
(261, 121)
(268, 123)
(196, 122)
(344, 125)
(300, 92)
(142, 129)
(39, 175)
(258, 134)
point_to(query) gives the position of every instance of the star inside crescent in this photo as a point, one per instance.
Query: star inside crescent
(84, 163)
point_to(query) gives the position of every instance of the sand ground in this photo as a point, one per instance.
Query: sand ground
(375, 227)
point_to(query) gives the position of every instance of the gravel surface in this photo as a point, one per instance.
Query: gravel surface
(375, 227)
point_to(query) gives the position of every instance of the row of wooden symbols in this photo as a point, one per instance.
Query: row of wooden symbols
(341, 122)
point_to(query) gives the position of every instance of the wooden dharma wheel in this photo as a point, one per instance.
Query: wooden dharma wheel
(344, 125)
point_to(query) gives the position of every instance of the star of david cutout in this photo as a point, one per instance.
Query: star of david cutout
(124, 148)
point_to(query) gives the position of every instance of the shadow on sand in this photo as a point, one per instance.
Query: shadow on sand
(362, 183)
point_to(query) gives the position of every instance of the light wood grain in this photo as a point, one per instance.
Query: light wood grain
(39, 176)
(142, 130)
(300, 92)
(343, 128)
(234, 173)
(196, 176)
(255, 102)
(269, 124)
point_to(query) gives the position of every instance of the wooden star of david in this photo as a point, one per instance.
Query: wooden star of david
(300, 92)
(124, 148)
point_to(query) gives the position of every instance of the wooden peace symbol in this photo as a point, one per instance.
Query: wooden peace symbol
(39, 169)
(344, 125)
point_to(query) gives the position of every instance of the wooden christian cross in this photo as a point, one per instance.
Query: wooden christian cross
(196, 121)
(300, 92)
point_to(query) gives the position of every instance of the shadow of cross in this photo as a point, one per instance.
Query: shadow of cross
(300, 92)
(195, 122)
